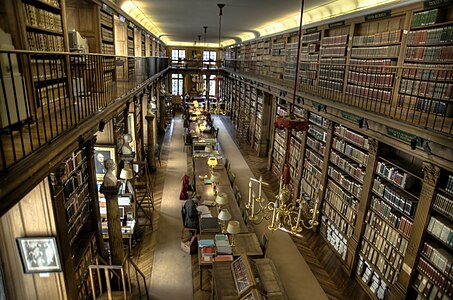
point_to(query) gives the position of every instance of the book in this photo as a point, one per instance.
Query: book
(205, 243)
(223, 258)
(208, 251)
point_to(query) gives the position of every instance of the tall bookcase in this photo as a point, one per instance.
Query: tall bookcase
(72, 190)
(429, 45)
(389, 220)
(376, 44)
(278, 52)
(333, 52)
(433, 277)
(42, 25)
(130, 50)
(309, 56)
(107, 44)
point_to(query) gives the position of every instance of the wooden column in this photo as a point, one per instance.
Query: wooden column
(114, 225)
(431, 175)
(151, 163)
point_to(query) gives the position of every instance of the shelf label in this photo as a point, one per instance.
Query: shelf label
(336, 24)
(407, 269)
(311, 29)
(317, 105)
(435, 3)
(379, 15)
(350, 117)
(402, 135)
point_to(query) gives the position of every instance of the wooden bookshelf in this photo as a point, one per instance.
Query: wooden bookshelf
(333, 54)
(429, 45)
(309, 57)
(130, 49)
(107, 44)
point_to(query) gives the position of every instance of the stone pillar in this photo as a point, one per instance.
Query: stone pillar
(114, 225)
(151, 163)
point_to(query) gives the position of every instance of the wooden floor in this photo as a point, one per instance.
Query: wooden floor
(320, 258)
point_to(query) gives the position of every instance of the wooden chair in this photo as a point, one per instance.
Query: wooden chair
(264, 241)
(238, 199)
(245, 216)
(231, 177)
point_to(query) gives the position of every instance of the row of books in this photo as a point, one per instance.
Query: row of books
(334, 51)
(384, 51)
(309, 57)
(387, 270)
(379, 38)
(310, 48)
(45, 42)
(427, 17)
(427, 71)
(345, 182)
(429, 89)
(335, 238)
(399, 202)
(335, 40)
(276, 46)
(312, 37)
(396, 176)
(351, 168)
(430, 53)
(444, 204)
(442, 35)
(307, 188)
(74, 181)
(42, 18)
(449, 186)
(341, 194)
(435, 278)
(318, 120)
(439, 257)
(347, 210)
(311, 173)
(392, 237)
(384, 210)
(108, 48)
(107, 34)
(356, 154)
(106, 19)
(314, 158)
(425, 105)
(331, 85)
(331, 74)
(334, 62)
(375, 94)
(428, 290)
(316, 145)
(370, 79)
(78, 220)
(340, 222)
(371, 279)
(441, 228)
(351, 136)
(317, 133)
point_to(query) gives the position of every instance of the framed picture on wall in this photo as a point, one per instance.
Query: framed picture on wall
(39, 254)
(101, 153)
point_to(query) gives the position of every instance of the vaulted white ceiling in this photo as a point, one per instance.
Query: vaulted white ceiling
(182, 21)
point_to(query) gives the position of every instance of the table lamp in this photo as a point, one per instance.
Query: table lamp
(212, 162)
(195, 103)
(224, 216)
(215, 179)
(233, 228)
(208, 149)
(127, 174)
(221, 199)
(202, 127)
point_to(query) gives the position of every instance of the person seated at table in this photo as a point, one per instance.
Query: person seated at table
(190, 212)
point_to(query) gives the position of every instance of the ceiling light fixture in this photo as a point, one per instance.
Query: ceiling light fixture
(205, 31)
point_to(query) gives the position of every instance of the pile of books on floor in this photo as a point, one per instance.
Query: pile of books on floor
(217, 249)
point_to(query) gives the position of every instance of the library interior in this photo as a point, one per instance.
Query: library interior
(243, 150)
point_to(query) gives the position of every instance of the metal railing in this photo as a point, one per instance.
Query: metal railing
(42, 95)
(122, 273)
(188, 63)
(417, 94)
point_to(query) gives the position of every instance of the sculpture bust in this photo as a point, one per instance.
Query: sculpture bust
(109, 177)
(126, 149)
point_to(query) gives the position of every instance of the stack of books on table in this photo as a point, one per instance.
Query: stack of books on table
(224, 252)
(207, 248)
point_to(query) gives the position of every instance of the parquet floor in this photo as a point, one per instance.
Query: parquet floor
(324, 265)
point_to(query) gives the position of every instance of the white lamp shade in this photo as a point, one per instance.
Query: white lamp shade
(195, 103)
(224, 215)
(126, 174)
(221, 199)
(233, 227)
(212, 161)
(208, 148)
(202, 127)
(215, 177)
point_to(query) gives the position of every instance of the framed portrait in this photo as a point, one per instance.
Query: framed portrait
(39, 254)
(101, 153)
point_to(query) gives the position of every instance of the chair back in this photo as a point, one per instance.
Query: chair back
(263, 243)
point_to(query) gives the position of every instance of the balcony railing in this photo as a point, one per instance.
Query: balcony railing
(417, 94)
(43, 95)
(188, 63)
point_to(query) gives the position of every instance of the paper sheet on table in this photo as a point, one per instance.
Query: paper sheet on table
(204, 210)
